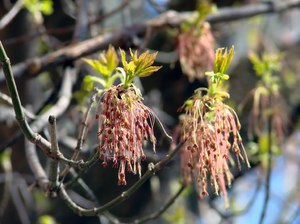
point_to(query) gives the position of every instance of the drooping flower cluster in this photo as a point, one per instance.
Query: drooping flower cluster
(210, 132)
(195, 47)
(268, 104)
(210, 137)
(124, 124)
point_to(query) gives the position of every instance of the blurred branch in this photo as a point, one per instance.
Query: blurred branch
(90, 195)
(32, 136)
(81, 134)
(163, 208)
(269, 170)
(6, 19)
(35, 165)
(64, 98)
(68, 29)
(8, 100)
(22, 211)
(241, 211)
(81, 26)
(152, 169)
(34, 66)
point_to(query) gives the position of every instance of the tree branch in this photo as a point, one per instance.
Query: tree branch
(35, 165)
(24, 126)
(6, 19)
(8, 101)
(152, 169)
(164, 208)
(53, 166)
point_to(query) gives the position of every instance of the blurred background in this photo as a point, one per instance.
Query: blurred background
(40, 37)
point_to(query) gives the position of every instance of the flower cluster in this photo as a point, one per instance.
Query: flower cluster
(194, 45)
(267, 100)
(124, 124)
(207, 135)
(210, 130)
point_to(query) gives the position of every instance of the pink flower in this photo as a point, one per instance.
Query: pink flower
(196, 51)
(124, 124)
(210, 130)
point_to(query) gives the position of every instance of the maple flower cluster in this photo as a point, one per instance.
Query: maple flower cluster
(208, 148)
(210, 132)
(194, 45)
(124, 124)
(267, 99)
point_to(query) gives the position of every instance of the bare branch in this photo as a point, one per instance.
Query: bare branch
(53, 167)
(152, 169)
(163, 208)
(68, 29)
(81, 26)
(81, 134)
(11, 14)
(8, 100)
(35, 165)
(24, 126)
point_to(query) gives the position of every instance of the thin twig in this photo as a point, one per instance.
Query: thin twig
(81, 26)
(163, 208)
(53, 172)
(269, 170)
(35, 165)
(58, 108)
(11, 14)
(24, 126)
(34, 66)
(8, 100)
(68, 29)
(81, 134)
(152, 169)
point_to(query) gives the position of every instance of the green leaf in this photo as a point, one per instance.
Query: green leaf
(39, 6)
(106, 64)
(140, 65)
(148, 71)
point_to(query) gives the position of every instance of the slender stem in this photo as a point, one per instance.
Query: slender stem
(152, 169)
(269, 166)
(24, 126)
(81, 134)
(53, 168)
(164, 208)
(12, 88)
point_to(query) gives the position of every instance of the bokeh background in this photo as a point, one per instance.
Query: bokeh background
(53, 25)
